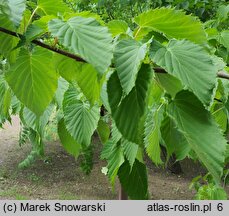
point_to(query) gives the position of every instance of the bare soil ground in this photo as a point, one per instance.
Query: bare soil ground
(61, 177)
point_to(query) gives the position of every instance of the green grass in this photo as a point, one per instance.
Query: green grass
(4, 173)
(12, 193)
(67, 196)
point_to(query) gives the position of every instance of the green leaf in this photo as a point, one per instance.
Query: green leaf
(5, 98)
(224, 38)
(33, 32)
(43, 22)
(200, 130)
(152, 134)
(80, 119)
(87, 38)
(174, 140)
(140, 33)
(107, 148)
(220, 116)
(66, 67)
(114, 91)
(7, 42)
(13, 10)
(117, 27)
(168, 82)
(15, 105)
(86, 14)
(134, 181)
(9, 45)
(128, 57)
(37, 123)
(88, 82)
(211, 192)
(52, 7)
(62, 88)
(116, 135)
(219, 194)
(84, 74)
(222, 12)
(128, 113)
(114, 155)
(7, 103)
(191, 64)
(103, 92)
(223, 90)
(69, 144)
(103, 131)
(130, 151)
(173, 23)
(155, 94)
(115, 160)
(227, 153)
(33, 79)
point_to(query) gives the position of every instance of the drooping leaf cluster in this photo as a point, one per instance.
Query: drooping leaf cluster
(113, 66)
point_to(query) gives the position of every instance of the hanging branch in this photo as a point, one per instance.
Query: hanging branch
(220, 74)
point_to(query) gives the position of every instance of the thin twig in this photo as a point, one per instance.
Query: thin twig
(223, 75)
(159, 70)
(46, 46)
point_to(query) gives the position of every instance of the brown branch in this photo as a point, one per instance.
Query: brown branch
(223, 75)
(46, 46)
(220, 74)
(159, 70)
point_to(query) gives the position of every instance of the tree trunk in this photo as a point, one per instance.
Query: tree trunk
(122, 194)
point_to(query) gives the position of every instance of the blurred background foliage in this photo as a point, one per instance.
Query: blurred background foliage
(127, 9)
